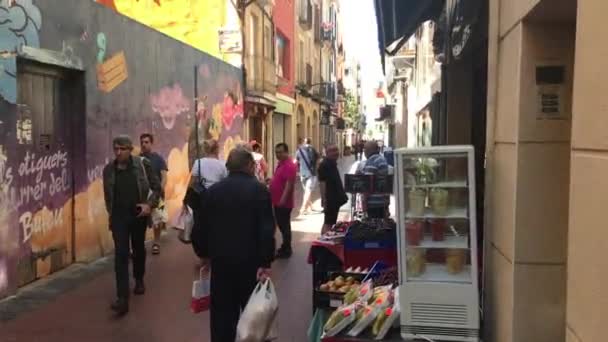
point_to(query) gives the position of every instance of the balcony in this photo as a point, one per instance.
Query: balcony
(305, 14)
(261, 74)
(325, 93)
(328, 32)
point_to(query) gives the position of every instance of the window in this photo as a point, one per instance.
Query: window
(302, 71)
(282, 56)
(268, 53)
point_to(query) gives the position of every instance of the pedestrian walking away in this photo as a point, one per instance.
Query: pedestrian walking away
(131, 191)
(159, 166)
(261, 167)
(307, 158)
(236, 238)
(332, 190)
(281, 189)
(377, 204)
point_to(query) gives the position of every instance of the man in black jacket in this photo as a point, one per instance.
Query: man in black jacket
(131, 191)
(236, 238)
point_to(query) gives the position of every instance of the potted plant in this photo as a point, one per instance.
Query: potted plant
(439, 201)
(423, 174)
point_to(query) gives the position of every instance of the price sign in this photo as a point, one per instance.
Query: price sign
(383, 184)
(358, 183)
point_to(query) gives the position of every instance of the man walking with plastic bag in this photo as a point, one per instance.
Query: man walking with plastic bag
(236, 238)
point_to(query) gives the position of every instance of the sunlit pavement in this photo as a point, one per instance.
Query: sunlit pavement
(74, 305)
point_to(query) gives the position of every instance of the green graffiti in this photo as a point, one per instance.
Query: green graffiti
(101, 44)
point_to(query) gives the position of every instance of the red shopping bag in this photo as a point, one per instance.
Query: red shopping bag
(201, 292)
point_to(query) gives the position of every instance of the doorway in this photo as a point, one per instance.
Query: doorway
(50, 135)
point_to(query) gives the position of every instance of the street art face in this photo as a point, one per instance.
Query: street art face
(20, 21)
(169, 102)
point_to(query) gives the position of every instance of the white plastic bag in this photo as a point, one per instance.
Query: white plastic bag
(185, 222)
(160, 215)
(201, 292)
(259, 314)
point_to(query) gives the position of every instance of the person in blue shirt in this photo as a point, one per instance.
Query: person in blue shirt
(307, 158)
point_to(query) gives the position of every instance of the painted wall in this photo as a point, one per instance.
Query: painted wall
(193, 22)
(284, 19)
(136, 80)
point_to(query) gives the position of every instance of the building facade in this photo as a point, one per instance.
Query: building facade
(283, 121)
(260, 68)
(307, 48)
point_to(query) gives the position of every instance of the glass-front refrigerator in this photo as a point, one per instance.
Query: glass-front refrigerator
(438, 286)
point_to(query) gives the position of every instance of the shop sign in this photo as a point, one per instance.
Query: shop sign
(550, 92)
(230, 40)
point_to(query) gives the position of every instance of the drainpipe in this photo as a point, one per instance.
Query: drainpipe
(493, 60)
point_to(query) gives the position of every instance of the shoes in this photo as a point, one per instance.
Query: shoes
(140, 288)
(284, 253)
(120, 306)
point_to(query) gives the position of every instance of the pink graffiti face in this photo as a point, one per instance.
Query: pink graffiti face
(230, 110)
(169, 102)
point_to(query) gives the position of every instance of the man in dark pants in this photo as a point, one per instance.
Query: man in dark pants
(131, 191)
(332, 190)
(236, 238)
(281, 190)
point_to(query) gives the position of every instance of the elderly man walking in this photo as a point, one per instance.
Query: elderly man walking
(377, 204)
(131, 191)
(236, 238)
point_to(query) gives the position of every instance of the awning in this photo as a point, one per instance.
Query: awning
(397, 19)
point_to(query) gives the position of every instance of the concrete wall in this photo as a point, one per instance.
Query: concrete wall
(587, 315)
(528, 176)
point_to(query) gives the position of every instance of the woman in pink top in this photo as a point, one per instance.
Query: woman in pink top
(281, 191)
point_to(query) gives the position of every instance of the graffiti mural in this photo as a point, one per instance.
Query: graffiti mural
(198, 23)
(20, 21)
(169, 103)
(52, 211)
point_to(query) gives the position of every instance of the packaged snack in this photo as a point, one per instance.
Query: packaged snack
(366, 291)
(365, 316)
(340, 319)
(386, 319)
(383, 297)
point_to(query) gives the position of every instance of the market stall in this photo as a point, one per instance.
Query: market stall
(415, 277)
(351, 254)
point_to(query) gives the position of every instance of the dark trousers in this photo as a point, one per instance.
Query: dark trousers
(128, 232)
(283, 218)
(231, 287)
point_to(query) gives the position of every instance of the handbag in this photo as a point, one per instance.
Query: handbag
(195, 194)
(201, 292)
(185, 223)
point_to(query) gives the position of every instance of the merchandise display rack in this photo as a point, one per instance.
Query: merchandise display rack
(436, 237)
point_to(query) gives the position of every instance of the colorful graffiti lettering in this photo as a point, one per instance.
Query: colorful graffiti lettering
(20, 21)
(169, 102)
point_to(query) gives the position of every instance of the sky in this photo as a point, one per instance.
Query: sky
(360, 36)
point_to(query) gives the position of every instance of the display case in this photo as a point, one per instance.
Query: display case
(436, 235)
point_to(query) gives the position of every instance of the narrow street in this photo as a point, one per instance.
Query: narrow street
(162, 314)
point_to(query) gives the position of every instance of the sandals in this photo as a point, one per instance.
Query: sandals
(155, 249)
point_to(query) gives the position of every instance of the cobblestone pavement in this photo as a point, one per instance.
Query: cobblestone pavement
(73, 305)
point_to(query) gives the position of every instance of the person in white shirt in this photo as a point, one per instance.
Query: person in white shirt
(209, 169)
